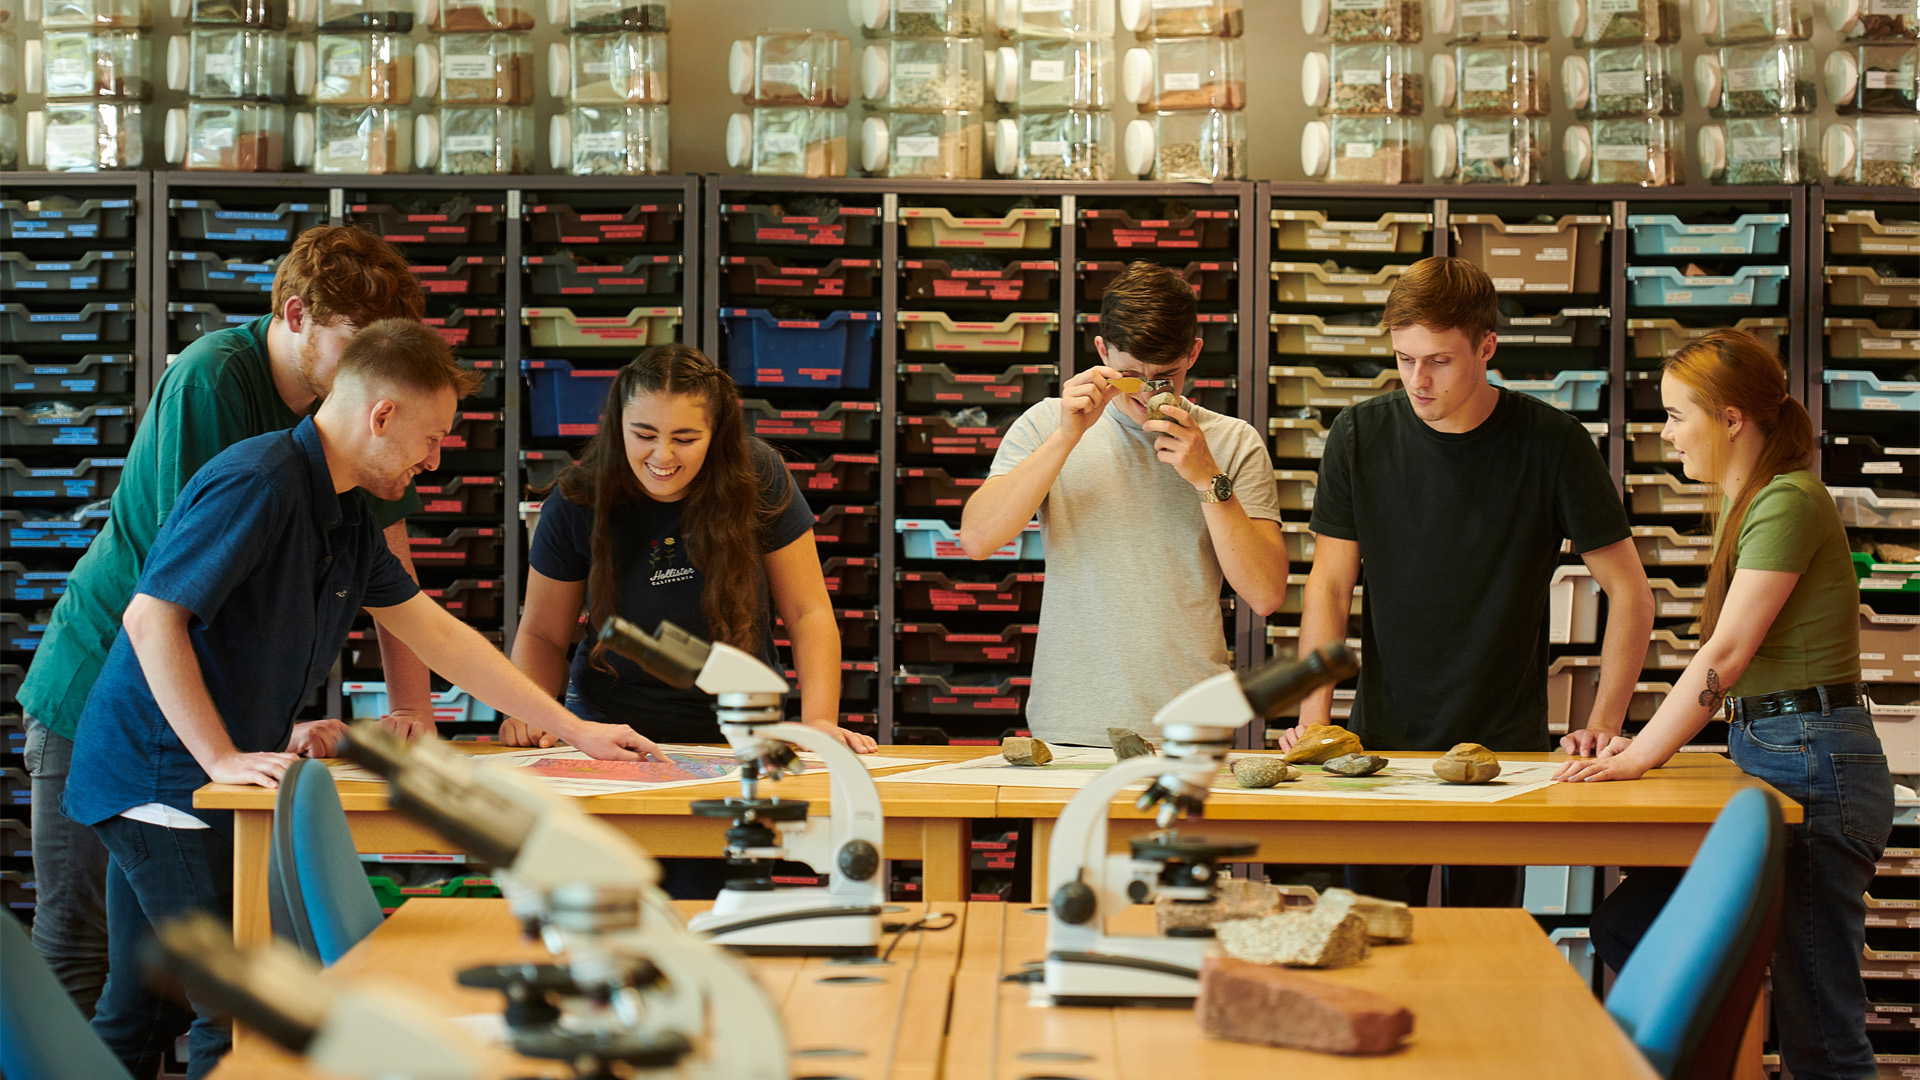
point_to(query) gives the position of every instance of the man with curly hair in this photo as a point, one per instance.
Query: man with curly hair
(227, 386)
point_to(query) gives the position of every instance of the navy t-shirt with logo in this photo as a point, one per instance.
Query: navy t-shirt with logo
(655, 580)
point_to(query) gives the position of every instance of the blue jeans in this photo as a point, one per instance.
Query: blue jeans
(155, 874)
(1832, 764)
(70, 876)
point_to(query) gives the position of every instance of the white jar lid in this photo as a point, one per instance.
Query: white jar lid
(740, 68)
(1573, 18)
(1706, 17)
(1844, 15)
(1136, 76)
(559, 69)
(1843, 77)
(1316, 79)
(1135, 15)
(1442, 155)
(1440, 79)
(1313, 16)
(1006, 147)
(426, 141)
(1316, 144)
(1576, 81)
(1837, 151)
(876, 139)
(175, 139)
(876, 70)
(31, 62)
(740, 140)
(1710, 145)
(1708, 79)
(1006, 83)
(867, 14)
(304, 136)
(177, 60)
(560, 143)
(557, 12)
(306, 65)
(1140, 145)
(1444, 14)
(1576, 151)
(36, 139)
(426, 70)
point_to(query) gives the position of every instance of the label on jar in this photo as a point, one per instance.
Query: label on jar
(347, 149)
(1616, 7)
(216, 137)
(66, 67)
(1894, 8)
(1357, 150)
(1359, 5)
(785, 74)
(1619, 153)
(597, 67)
(1888, 80)
(220, 65)
(1885, 150)
(1748, 79)
(345, 66)
(1484, 77)
(917, 146)
(1048, 148)
(916, 72)
(1620, 83)
(469, 144)
(1760, 148)
(1487, 147)
(463, 68)
(1047, 70)
(1180, 80)
(1485, 9)
(1162, 5)
(780, 142)
(1363, 77)
(599, 142)
(71, 142)
(922, 7)
(1033, 7)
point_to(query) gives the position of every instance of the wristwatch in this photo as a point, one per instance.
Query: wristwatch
(1218, 490)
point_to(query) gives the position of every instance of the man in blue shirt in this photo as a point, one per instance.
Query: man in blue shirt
(245, 599)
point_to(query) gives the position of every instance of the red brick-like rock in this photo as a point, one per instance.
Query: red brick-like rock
(1276, 1007)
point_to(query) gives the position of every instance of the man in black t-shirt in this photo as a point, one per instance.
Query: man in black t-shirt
(1456, 495)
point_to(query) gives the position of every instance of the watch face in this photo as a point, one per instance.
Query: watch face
(1223, 487)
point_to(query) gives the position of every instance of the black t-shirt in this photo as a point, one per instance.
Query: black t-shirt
(1459, 535)
(655, 580)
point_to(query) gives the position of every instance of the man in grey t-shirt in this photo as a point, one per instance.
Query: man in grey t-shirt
(1143, 519)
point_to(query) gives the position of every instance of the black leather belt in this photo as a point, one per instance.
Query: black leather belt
(1813, 699)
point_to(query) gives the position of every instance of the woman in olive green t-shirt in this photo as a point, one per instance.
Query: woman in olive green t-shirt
(1780, 651)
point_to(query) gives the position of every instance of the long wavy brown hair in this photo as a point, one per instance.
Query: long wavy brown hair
(1734, 369)
(723, 515)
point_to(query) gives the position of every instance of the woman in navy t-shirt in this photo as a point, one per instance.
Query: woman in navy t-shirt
(674, 513)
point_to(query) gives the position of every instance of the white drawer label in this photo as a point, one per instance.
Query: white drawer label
(1670, 609)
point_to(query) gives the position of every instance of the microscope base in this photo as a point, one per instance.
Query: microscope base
(790, 922)
(1112, 977)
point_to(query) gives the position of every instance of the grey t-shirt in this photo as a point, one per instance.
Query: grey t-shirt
(1130, 615)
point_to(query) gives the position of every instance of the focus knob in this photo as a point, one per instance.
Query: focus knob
(1074, 902)
(859, 860)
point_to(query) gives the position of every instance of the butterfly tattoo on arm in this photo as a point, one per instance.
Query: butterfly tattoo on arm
(1714, 694)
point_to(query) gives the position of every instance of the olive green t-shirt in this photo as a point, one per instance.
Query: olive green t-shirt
(218, 391)
(1792, 526)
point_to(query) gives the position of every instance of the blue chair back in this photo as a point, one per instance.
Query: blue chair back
(43, 1036)
(314, 874)
(1685, 993)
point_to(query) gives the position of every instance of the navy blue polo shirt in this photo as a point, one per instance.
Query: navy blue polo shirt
(273, 564)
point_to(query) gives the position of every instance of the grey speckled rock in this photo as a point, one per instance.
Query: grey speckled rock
(1127, 743)
(1020, 750)
(1355, 764)
(1297, 939)
(1263, 772)
(1388, 921)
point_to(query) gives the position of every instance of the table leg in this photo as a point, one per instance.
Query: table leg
(1746, 1061)
(1042, 846)
(252, 839)
(945, 864)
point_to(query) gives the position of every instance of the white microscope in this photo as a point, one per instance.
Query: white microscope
(1087, 965)
(752, 914)
(634, 986)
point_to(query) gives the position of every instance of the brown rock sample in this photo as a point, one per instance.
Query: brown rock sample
(1262, 772)
(1276, 1007)
(1355, 764)
(1236, 899)
(1164, 398)
(1127, 743)
(1323, 742)
(1020, 750)
(1467, 763)
(1310, 938)
(1388, 921)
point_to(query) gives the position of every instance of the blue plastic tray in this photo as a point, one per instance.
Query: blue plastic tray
(1666, 286)
(1666, 234)
(1864, 390)
(834, 352)
(368, 700)
(1574, 391)
(931, 538)
(565, 401)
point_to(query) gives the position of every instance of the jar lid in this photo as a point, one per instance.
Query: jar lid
(1006, 83)
(1573, 18)
(1440, 79)
(1710, 145)
(559, 69)
(1316, 143)
(1844, 15)
(1140, 145)
(740, 68)
(36, 139)
(1135, 15)
(557, 13)
(874, 71)
(1843, 77)
(305, 67)
(1837, 150)
(867, 14)
(1006, 148)
(177, 63)
(1313, 16)
(180, 9)
(740, 140)
(426, 141)
(1442, 154)
(1136, 76)
(1707, 79)
(1576, 81)
(304, 136)
(31, 62)
(426, 71)
(1576, 151)
(175, 139)
(1444, 13)
(1706, 17)
(560, 143)
(1316, 79)
(876, 137)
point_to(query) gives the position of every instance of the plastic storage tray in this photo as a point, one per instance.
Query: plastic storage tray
(1296, 597)
(90, 219)
(1022, 331)
(462, 275)
(1000, 594)
(462, 495)
(462, 224)
(95, 425)
(101, 323)
(1310, 335)
(1865, 390)
(936, 227)
(941, 437)
(567, 274)
(1862, 339)
(19, 635)
(204, 219)
(99, 373)
(470, 598)
(854, 526)
(1573, 391)
(1862, 455)
(1297, 386)
(1019, 279)
(1671, 651)
(648, 223)
(192, 321)
(1581, 328)
(1311, 283)
(1210, 280)
(1861, 232)
(1215, 330)
(1665, 493)
(1296, 488)
(832, 352)
(474, 327)
(1573, 607)
(559, 327)
(1655, 339)
(1669, 286)
(842, 421)
(844, 474)
(1646, 447)
(851, 577)
(565, 401)
(1214, 394)
(94, 478)
(92, 271)
(489, 371)
(475, 431)
(21, 585)
(1662, 545)
(26, 533)
(1866, 508)
(1568, 256)
(931, 538)
(985, 693)
(938, 384)
(475, 547)
(368, 701)
(1296, 438)
(858, 679)
(924, 643)
(1862, 286)
(1666, 234)
(755, 223)
(205, 271)
(1283, 642)
(1885, 577)
(1672, 600)
(1108, 230)
(858, 628)
(1400, 232)
(1889, 646)
(922, 488)
(759, 275)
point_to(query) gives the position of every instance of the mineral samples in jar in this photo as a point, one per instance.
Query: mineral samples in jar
(1738, 22)
(478, 16)
(1186, 73)
(225, 64)
(609, 140)
(227, 136)
(475, 140)
(1875, 20)
(936, 73)
(96, 15)
(1874, 151)
(1591, 23)
(394, 16)
(1364, 20)
(1490, 20)
(947, 145)
(1503, 79)
(485, 69)
(1875, 77)
(9, 66)
(367, 140)
(98, 64)
(256, 14)
(1364, 80)
(919, 18)
(610, 69)
(86, 136)
(1060, 144)
(1363, 150)
(1080, 20)
(1188, 145)
(608, 16)
(1148, 19)
(1757, 150)
(802, 141)
(364, 68)
(1643, 150)
(792, 67)
(9, 141)
(1750, 80)
(1509, 150)
(1051, 74)
(1628, 80)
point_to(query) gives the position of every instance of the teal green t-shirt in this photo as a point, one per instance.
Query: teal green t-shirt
(218, 391)
(1792, 526)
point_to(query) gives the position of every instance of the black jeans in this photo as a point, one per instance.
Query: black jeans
(70, 876)
(1460, 886)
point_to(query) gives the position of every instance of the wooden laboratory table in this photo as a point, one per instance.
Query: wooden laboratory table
(1658, 820)
(1491, 998)
(886, 1021)
(929, 822)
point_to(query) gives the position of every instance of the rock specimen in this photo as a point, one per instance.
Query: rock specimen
(1311, 938)
(1276, 1007)
(1322, 742)
(1127, 743)
(1155, 402)
(1236, 899)
(1388, 921)
(1262, 772)
(1020, 750)
(1467, 763)
(1355, 764)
